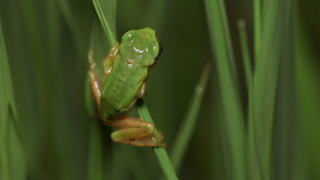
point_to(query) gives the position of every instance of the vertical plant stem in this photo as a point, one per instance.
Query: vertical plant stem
(4, 120)
(257, 27)
(228, 41)
(265, 80)
(245, 53)
(186, 129)
(160, 152)
(104, 21)
(232, 117)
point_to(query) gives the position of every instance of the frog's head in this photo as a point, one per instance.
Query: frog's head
(142, 46)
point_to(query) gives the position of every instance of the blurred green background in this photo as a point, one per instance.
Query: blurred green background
(47, 44)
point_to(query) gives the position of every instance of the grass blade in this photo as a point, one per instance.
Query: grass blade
(232, 117)
(95, 162)
(104, 22)
(285, 118)
(228, 42)
(257, 26)
(161, 153)
(11, 150)
(185, 132)
(254, 171)
(307, 84)
(262, 103)
(245, 53)
(4, 104)
(72, 24)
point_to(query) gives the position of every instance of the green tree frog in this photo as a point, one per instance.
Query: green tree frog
(126, 70)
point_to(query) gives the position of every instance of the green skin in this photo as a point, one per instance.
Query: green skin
(126, 68)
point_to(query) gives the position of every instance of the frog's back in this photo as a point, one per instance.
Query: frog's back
(121, 88)
(138, 51)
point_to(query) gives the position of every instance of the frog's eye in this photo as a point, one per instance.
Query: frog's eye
(160, 50)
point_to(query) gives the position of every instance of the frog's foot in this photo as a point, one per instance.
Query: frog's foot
(151, 140)
(135, 132)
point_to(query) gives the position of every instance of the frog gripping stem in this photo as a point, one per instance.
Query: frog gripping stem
(135, 132)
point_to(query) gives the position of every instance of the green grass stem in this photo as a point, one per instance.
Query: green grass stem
(72, 24)
(160, 152)
(264, 10)
(257, 26)
(95, 168)
(232, 117)
(188, 124)
(4, 104)
(245, 53)
(307, 89)
(11, 150)
(227, 39)
(262, 104)
(104, 21)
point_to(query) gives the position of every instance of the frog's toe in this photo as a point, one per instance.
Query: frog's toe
(158, 138)
(153, 140)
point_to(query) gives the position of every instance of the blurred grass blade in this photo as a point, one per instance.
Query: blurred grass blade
(132, 159)
(253, 165)
(4, 109)
(307, 73)
(98, 154)
(264, 11)
(285, 118)
(95, 163)
(109, 9)
(228, 41)
(245, 53)
(185, 132)
(262, 103)
(161, 153)
(72, 24)
(257, 26)
(154, 17)
(232, 117)
(11, 150)
(106, 26)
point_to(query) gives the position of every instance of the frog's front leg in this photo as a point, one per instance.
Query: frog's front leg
(142, 92)
(135, 132)
(107, 62)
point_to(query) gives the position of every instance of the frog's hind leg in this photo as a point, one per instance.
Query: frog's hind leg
(94, 80)
(135, 132)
